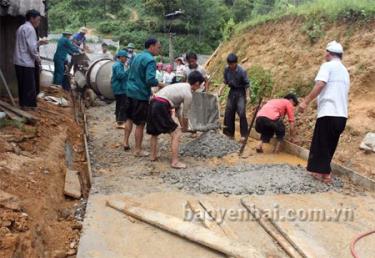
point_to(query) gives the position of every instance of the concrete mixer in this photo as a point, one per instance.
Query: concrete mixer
(98, 77)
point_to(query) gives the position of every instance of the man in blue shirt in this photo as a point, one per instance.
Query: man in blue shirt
(118, 82)
(141, 78)
(236, 78)
(64, 48)
(80, 38)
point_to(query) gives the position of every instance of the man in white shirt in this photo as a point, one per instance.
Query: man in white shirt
(160, 120)
(331, 90)
(26, 56)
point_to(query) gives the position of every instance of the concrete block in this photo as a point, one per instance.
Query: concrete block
(72, 186)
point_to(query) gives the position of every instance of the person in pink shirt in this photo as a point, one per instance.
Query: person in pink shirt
(270, 118)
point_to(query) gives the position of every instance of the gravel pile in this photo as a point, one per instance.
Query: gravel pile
(248, 179)
(210, 144)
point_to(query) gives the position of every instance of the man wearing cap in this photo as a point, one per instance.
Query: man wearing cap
(331, 89)
(269, 121)
(236, 78)
(141, 78)
(131, 53)
(118, 82)
(26, 57)
(80, 38)
(64, 47)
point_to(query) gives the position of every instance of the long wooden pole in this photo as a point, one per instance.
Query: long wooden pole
(187, 230)
(7, 88)
(250, 127)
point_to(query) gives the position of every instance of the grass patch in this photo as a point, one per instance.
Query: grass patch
(329, 10)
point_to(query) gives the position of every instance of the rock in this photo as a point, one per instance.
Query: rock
(9, 201)
(368, 143)
(71, 252)
(72, 245)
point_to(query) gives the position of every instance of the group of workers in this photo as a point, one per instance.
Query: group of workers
(134, 76)
(147, 95)
(140, 105)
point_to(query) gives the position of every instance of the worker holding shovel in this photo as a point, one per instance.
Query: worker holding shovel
(331, 89)
(236, 78)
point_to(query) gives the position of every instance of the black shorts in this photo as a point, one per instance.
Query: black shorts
(268, 128)
(136, 110)
(160, 118)
(120, 108)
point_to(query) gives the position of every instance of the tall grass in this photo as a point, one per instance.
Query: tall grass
(331, 10)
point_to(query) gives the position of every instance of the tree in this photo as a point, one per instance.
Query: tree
(242, 9)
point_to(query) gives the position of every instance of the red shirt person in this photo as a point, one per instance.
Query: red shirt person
(270, 118)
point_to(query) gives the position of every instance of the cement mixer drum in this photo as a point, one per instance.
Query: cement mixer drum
(99, 77)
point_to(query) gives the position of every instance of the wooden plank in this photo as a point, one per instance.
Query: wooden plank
(72, 186)
(208, 206)
(204, 217)
(88, 160)
(285, 243)
(187, 230)
(29, 117)
(12, 115)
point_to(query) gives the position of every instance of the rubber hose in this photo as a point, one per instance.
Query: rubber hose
(352, 245)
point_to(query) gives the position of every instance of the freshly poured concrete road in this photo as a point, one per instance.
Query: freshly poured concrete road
(109, 233)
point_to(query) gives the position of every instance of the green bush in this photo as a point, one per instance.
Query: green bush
(314, 30)
(261, 83)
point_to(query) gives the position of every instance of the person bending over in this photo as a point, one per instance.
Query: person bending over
(270, 117)
(160, 114)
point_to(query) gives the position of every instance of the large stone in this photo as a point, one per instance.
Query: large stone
(72, 184)
(368, 142)
(9, 201)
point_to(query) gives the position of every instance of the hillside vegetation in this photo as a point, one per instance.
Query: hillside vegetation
(288, 52)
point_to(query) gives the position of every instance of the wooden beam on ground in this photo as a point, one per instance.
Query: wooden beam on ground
(72, 186)
(187, 230)
(285, 243)
(12, 115)
(212, 211)
(29, 117)
(204, 217)
(88, 160)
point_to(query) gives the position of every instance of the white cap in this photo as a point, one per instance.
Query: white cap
(335, 47)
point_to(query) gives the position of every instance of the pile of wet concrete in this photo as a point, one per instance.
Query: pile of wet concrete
(210, 144)
(248, 179)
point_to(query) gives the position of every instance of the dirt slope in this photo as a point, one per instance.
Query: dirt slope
(284, 49)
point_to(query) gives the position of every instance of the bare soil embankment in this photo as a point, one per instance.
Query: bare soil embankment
(286, 50)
